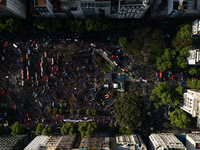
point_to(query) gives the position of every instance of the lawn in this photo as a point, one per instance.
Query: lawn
(103, 63)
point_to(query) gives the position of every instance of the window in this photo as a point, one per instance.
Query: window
(54, 6)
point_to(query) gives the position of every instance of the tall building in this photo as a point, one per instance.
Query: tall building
(165, 141)
(47, 8)
(196, 29)
(194, 57)
(175, 8)
(191, 103)
(193, 141)
(13, 8)
(123, 9)
(130, 142)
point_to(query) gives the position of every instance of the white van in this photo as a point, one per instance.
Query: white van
(14, 45)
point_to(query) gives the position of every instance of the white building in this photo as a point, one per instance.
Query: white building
(193, 141)
(13, 8)
(129, 9)
(165, 141)
(191, 102)
(130, 142)
(36, 143)
(196, 28)
(194, 57)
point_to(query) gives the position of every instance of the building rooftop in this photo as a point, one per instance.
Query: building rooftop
(67, 141)
(194, 57)
(166, 140)
(36, 143)
(195, 137)
(196, 27)
(9, 140)
(52, 141)
(40, 2)
(58, 8)
(131, 142)
(3, 3)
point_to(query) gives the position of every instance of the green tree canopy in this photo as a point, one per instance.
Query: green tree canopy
(87, 129)
(68, 127)
(129, 110)
(11, 24)
(39, 129)
(193, 71)
(87, 112)
(49, 111)
(195, 84)
(55, 111)
(165, 62)
(179, 118)
(72, 111)
(47, 131)
(123, 41)
(77, 25)
(17, 128)
(78, 111)
(168, 94)
(61, 111)
(93, 112)
(184, 32)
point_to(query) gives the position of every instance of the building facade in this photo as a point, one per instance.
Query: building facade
(193, 141)
(129, 9)
(165, 141)
(175, 8)
(194, 57)
(195, 29)
(13, 8)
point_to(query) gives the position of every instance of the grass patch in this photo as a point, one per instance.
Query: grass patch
(103, 63)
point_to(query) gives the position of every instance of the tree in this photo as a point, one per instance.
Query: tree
(39, 129)
(93, 111)
(60, 111)
(165, 62)
(55, 111)
(179, 118)
(129, 110)
(49, 111)
(72, 111)
(87, 112)
(78, 111)
(77, 26)
(68, 127)
(90, 24)
(47, 131)
(193, 71)
(17, 128)
(184, 32)
(123, 41)
(168, 94)
(194, 84)
(87, 129)
(122, 130)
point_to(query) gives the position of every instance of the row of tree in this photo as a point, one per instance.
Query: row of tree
(43, 130)
(78, 25)
(171, 58)
(194, 84)
(10, 24)
(56, 111)
(165, 94)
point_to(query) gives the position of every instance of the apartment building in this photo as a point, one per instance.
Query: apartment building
(175, 8)
(51, 142)
(123, 9)
(194, 57)
(193, 141)
(47, 8)
(195, 29)
(15, 8)
(191, 102)
(165, 141)
(130, 142)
